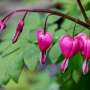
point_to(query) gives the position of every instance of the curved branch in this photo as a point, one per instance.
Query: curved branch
(49, 11)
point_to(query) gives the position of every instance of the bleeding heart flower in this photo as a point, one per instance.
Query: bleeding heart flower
(85, 51)
(69, 47)
(2, 26)
(18, 31)
(44, 41)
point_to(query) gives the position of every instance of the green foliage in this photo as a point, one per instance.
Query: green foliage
(33, 81)
(25, 50)
(31, 56)
(53, 55)
(72, 5)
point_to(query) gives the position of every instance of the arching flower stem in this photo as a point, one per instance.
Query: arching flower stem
(46, 23)
(24, 16)
(74, 29)
(48, 11)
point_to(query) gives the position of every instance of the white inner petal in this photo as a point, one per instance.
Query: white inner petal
(40, 57)
(66, 65)
(14, 34)
(84, 65)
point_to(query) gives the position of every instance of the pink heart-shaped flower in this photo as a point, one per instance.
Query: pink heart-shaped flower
(69, 47)
(85, 51)
(44, 41)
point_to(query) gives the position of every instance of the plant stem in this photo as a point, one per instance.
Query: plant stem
(48, 11)
(45, 23)
(83, 12)
(74, 29)
(24, 16)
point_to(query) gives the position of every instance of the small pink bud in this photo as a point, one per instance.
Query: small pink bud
(69, 48)
(85, 51)
(18, 31)
(2, 26)
(44, 41)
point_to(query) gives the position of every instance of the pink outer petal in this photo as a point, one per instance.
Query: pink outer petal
(66, 45)
(88, 49)
(75, 47)
(81, 42)
(84, 49)
(64, 65)
(44, 40)
(85, 66)
(82, 35)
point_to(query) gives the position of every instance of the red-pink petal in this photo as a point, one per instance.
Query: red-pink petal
(64, 65)
(66, 45)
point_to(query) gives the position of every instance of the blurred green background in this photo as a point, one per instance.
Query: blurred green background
(19, 63)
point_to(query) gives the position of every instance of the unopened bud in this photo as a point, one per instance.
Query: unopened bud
(2, 26)
(18, 31)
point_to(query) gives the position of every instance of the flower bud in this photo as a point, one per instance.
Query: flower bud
(18, 31)
(44, 41)
(2, 26)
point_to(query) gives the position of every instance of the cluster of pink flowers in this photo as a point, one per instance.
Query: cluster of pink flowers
(69, 47)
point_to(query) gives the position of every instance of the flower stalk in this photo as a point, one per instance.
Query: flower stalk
(45, 23)
(74, 30)
(48, 11)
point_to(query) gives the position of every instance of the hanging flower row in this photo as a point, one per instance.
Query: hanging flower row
(69, 46)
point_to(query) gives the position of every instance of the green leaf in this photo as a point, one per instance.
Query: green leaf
(31, 56)
(53, 18)
(76, 62)
(13, 47)
(7, 76)
(76, 75)
(33, 19)
(4, 45)
(66, 75)
(59, 33)
(16, 67)
(55, 53)
(33, 36)
(5, 64)
(52, 29)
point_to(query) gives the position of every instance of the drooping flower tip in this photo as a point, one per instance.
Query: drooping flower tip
(64, 65)
(42, 57)
(85, 67)
(2, 26)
